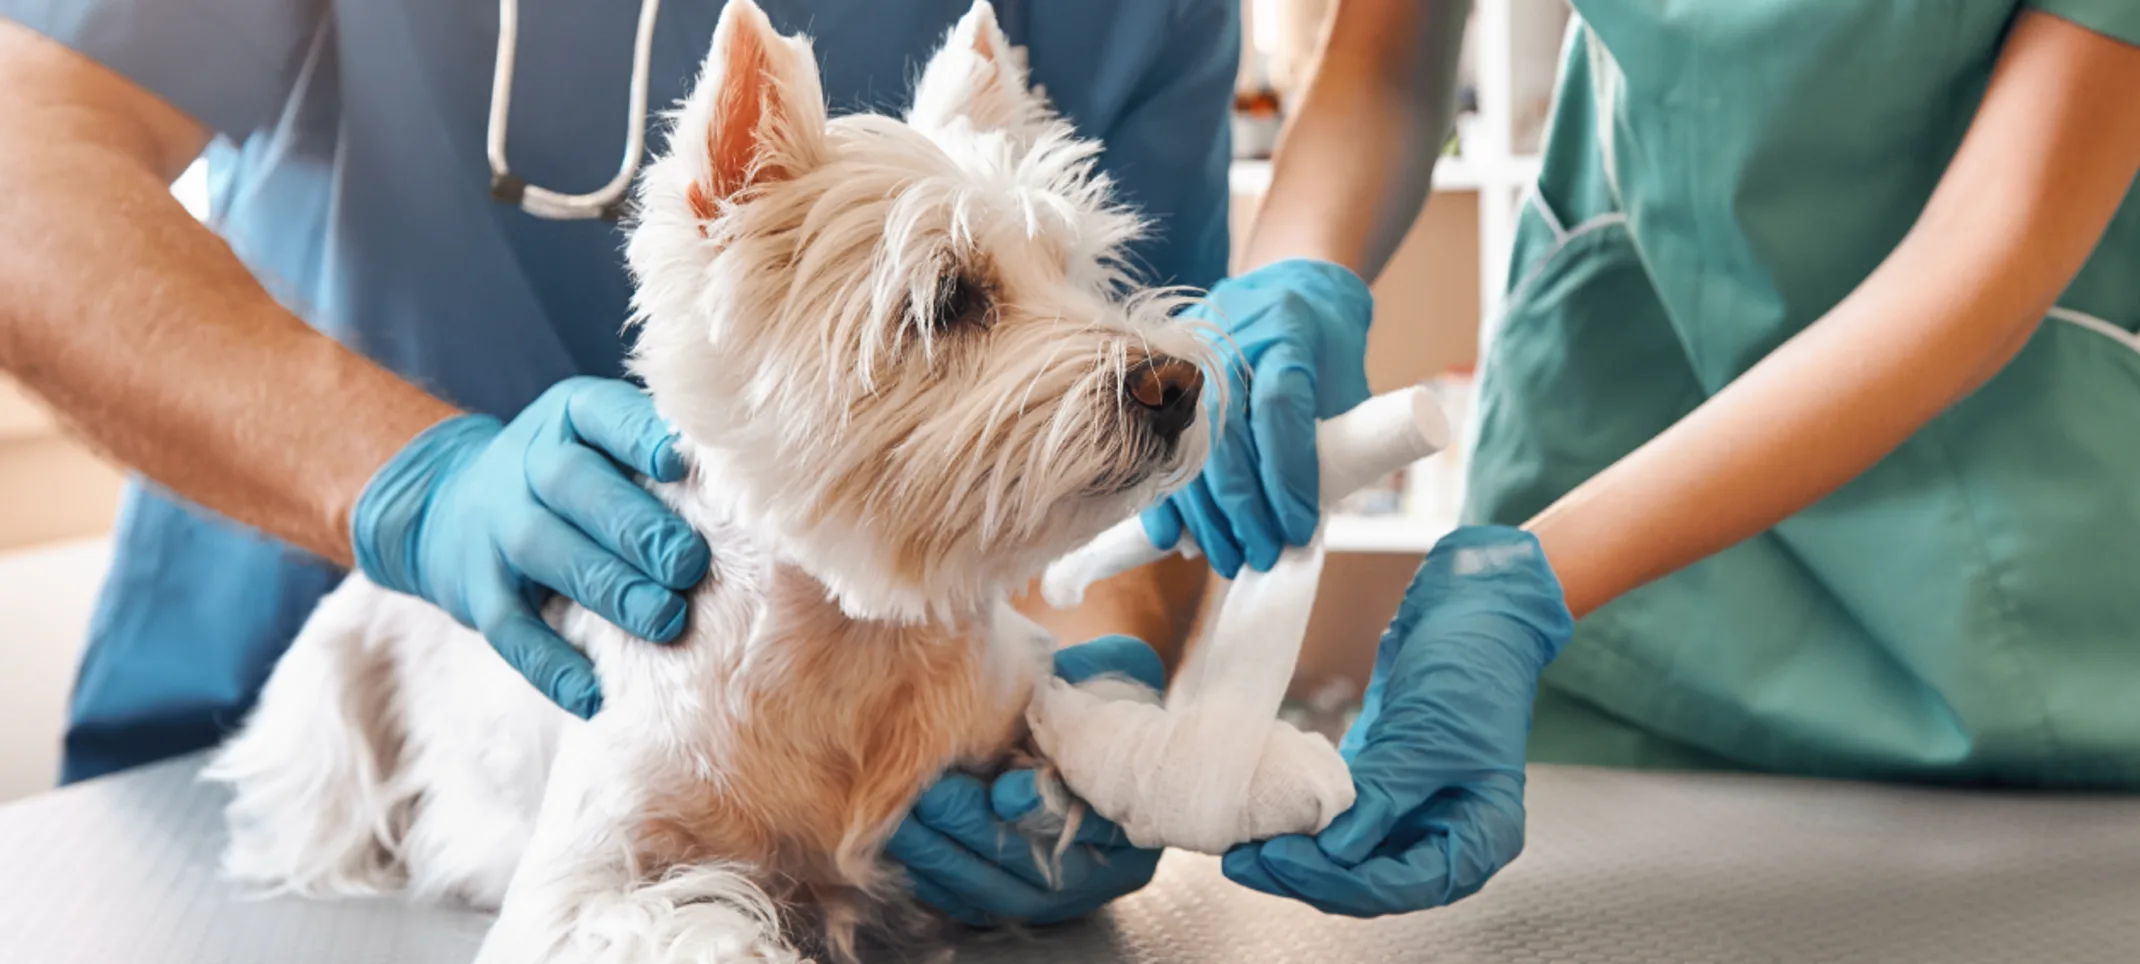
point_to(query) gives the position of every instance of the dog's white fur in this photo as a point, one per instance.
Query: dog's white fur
(874, 479)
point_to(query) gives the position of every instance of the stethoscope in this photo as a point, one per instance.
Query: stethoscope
(608, 201)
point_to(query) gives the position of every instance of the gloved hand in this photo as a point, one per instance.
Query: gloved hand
(966, 858)
(1295, 352)
(1437, 753)
(484, 519)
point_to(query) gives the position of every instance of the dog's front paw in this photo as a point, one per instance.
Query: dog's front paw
(1194, 779)
(711, 931)
(694, 915)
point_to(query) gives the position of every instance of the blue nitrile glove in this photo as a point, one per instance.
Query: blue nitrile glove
(1437, 753)
(967, 859)
(485, 518)
(1295, 350)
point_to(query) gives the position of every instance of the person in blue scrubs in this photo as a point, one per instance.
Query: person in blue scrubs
(364, 359)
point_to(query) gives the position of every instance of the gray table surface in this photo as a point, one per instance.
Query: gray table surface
(1621, 867)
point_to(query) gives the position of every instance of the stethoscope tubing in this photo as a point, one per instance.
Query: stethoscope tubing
(607, 201)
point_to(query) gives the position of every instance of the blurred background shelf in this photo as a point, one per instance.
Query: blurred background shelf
(1439, 298)
(1437, 302)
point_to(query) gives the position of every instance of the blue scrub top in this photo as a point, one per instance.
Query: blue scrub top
(350, 175)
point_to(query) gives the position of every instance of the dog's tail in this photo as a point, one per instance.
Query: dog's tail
(315, 810)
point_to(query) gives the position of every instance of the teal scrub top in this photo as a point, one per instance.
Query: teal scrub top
(350, 176)
(1717, 176)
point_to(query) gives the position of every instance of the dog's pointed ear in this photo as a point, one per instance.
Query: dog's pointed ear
(976, 76)
(757, 114)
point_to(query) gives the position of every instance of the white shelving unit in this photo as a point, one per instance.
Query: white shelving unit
(1510, 54)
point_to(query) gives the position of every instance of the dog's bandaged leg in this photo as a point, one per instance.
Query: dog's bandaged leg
(1215, 767)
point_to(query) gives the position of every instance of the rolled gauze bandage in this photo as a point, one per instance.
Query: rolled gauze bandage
(1215, 766)
(1380, 436)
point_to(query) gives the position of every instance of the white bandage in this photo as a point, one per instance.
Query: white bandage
(1215, 767)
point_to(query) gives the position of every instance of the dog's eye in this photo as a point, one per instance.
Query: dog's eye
(958, 301)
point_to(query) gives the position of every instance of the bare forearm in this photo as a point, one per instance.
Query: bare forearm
(150, 339)
(1357, 159)
(1816, 414)
(2027, 198)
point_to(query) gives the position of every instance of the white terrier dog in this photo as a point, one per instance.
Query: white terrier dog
(904, 360)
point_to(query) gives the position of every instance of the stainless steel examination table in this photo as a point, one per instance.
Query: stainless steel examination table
(1620, 867)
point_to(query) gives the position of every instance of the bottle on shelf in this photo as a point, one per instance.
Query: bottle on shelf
(1257, 111)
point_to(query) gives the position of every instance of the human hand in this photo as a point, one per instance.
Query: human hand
(1437, 753)
(485, 518)
(963, 850)
(1295, 349)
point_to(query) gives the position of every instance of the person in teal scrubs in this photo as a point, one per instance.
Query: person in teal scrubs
(1816, 399)
(370, 361)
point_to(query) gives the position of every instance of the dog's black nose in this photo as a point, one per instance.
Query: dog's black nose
(1163, 390)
